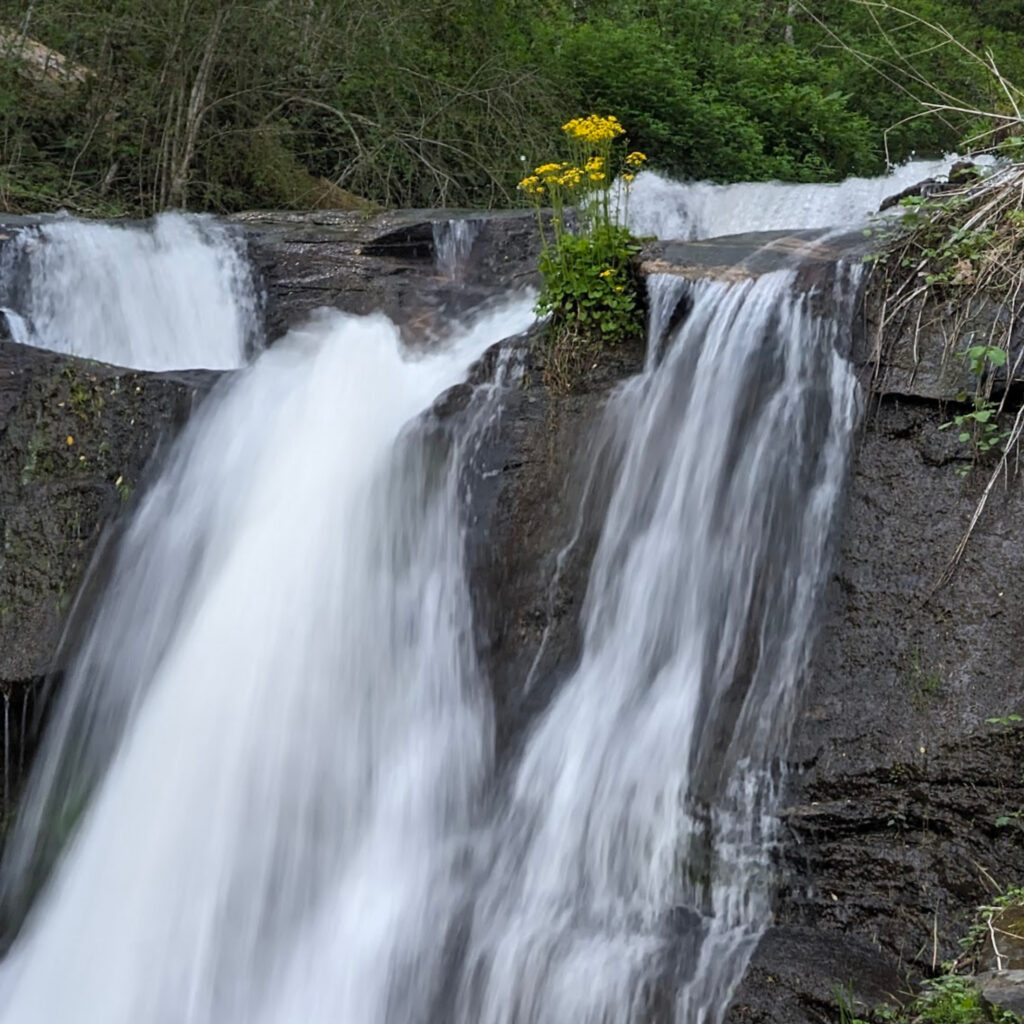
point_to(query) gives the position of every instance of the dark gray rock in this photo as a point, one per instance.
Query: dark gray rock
(901, 782)
(386, 263)
(75, 439)
(1004, 990)
(928, 187)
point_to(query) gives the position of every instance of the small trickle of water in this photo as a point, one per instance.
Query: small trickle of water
(16, 325)
(453, 243)
(174, 293)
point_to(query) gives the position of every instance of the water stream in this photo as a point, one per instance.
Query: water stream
(174, 294)
(268, 793)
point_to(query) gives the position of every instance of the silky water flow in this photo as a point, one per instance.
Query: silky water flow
(267, 795)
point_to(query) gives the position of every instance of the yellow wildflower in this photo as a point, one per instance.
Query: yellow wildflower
(595, 163)
(593, 129)
(636, 159)
(596, 177)
(530, 183)
(547, 168)
(607, 273)
(628, 177)
(70, 440)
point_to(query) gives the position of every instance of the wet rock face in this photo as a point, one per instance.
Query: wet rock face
(534, 517)
(903, 788)
(391, 263)
(75, 437)
(899, 785)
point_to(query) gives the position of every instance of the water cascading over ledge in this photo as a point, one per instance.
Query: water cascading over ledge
(286, 809)
(630, 870)
(176, 292)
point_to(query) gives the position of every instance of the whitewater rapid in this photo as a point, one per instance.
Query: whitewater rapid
(669, 209)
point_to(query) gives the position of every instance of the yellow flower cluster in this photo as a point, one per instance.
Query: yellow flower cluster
(594, 128)
(532, 185)
(593, 171)
(564, 175)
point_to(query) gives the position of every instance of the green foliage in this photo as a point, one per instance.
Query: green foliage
(946, 999)
(845, 1003)
(979, 426)
(220, 104)
(590, 292)
(951, 999)
(590, 286)
(1007, 721)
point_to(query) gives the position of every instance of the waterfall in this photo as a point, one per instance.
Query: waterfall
(691, 210)
(453, 243)
(174, 294)
(279, 712)
(633, 848)
(267, 794)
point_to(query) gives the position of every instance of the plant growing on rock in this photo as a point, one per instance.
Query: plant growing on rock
(590, 293)
(979, 426)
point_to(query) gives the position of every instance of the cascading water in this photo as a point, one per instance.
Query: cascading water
(174, 294)
(279, 708)
(691, 210)
(640, 818)
(267, 796)
(453, 242)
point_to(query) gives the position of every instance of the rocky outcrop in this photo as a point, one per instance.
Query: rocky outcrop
(75, 439)
(906, 760)
(394, 263)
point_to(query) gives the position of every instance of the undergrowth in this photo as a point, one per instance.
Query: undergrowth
(954, 266)
(951, 997)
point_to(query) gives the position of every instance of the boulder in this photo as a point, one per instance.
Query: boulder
(1003, 990)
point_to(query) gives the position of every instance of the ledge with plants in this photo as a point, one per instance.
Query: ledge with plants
(591, 295)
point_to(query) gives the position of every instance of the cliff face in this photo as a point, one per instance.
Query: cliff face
(75, 440)
(898, 780)
(907, 767)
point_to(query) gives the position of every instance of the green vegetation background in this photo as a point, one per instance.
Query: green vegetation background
(223, 105)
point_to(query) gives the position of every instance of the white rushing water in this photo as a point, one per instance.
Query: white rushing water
(279, 707)
(174, 293)
(692, 210)
(267, 793)
(633, 852)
